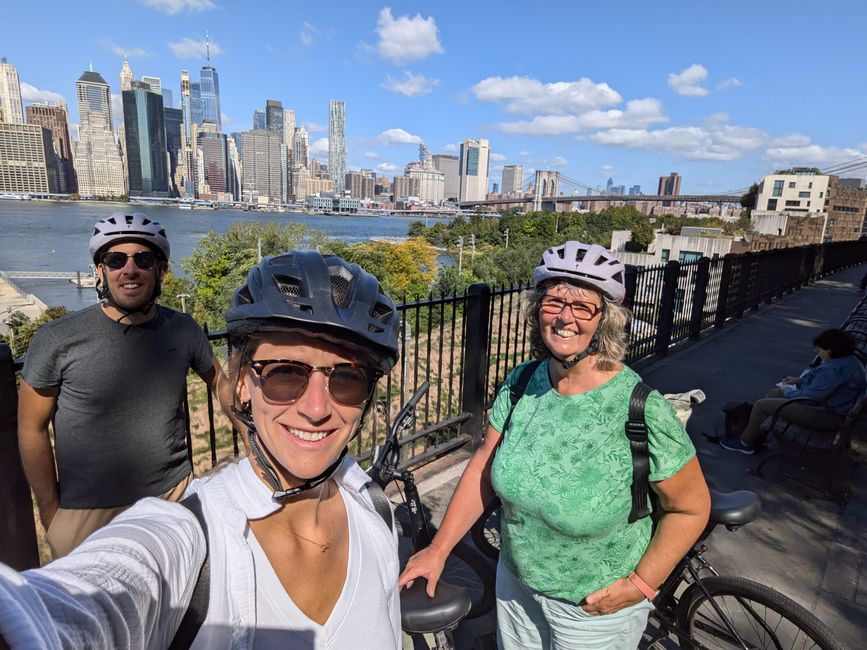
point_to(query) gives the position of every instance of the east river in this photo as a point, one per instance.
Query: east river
(53, 236)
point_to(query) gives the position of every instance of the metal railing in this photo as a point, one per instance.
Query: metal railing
(466, 345)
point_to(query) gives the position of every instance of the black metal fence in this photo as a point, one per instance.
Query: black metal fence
(466, 345)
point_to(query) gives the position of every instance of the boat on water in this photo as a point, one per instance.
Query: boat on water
(197, 204)
(14, 197)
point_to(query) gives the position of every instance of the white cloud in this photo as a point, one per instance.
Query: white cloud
(798, 149)
(314, 127)
(173, 7)
(498, 157)
(132, 52)
(558, 161)
(386, 167)
(688, 82)
(33, 94)
(319, 147)
(308, 33)
(451, 147)
(406, 39)
(192, 48)
(731, 82)
(607, 168)
(371, 155)
(526, 95)
(397, 136)
(639, 113)
(524, 153)
(718, 142)
(412, 85)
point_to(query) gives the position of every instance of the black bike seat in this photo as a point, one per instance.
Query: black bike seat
(420, 614)
(734, 508)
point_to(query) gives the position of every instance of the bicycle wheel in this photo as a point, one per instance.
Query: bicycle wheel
(486, 530)
(753, 616)
(466, 568)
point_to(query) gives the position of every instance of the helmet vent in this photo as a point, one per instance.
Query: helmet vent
(244, 295)
(374, 329)
(289, 287)
(381, 312)
(579, 255)
(618, 277)
(341, 285)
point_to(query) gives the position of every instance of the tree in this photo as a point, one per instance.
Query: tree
(748, 200)
(643, 234)
(23, 328)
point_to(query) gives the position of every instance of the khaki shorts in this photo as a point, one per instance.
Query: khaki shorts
(70, 527)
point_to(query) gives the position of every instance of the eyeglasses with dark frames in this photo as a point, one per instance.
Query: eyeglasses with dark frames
(116, 260)
(283, 380)
(580, 310)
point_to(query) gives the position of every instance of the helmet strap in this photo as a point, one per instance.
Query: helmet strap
(592, 347)
(107, 300)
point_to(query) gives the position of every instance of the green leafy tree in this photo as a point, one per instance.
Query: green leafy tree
(23, 328)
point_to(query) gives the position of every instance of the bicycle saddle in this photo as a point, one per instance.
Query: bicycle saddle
(734, 508)
(420, 614)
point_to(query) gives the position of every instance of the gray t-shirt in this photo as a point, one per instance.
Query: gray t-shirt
(119, 426)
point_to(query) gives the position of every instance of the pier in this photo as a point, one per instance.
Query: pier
(13, 298)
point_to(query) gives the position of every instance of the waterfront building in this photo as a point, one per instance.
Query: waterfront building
(10, 94)
(209, 88)
(423, 153)
(300, 148)
(669, 186)
(173, 118)
(261, 165)
(233, 143)
(55, 119)
(26, 159)
(300, 181)
(474, 165)
(188, 188)
(98, 163)
(405, 187)
(168, 98)
(450, 167)
(360, 184)
(383, 186)
(155, 85)
(213, 150)
(126, 75)
(337, 143)
(289, 128)
(145, 133)
(429, 182)
(259, 120)
(319, 185)
(274, 117)
(331, 203)
(197, 106)
(513, 176)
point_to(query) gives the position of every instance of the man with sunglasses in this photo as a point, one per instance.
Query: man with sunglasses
(111, 377)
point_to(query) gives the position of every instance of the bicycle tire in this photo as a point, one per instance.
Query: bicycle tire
(761, 616)
(486, 531)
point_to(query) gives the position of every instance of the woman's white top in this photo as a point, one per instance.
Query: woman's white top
(128, 585)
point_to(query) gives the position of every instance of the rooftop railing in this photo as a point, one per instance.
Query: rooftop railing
(465, 346)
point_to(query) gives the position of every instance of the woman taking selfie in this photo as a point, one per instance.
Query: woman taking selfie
(298, 554)
(573, 571)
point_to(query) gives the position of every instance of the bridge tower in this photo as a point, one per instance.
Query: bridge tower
(547, 184)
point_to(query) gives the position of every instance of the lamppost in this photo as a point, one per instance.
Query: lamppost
(183, 297)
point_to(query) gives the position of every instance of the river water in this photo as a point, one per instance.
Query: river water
(53, 236)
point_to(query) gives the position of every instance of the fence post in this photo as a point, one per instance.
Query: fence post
(743, 280)
(476, 346)
(630, 280)
(665, 322)
(723, 297)
(699, 297)
(17, 528)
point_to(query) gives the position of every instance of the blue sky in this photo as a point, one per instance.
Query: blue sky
(720, 92)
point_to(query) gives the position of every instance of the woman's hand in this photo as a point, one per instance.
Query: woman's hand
(428, 563)
(791, 380)
(621, 593)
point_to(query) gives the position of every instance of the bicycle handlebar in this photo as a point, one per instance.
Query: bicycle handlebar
(389, 452)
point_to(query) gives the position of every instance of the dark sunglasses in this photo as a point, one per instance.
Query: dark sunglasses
(283, 381)
(115, 260)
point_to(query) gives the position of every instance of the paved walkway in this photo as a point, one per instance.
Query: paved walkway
(813, 550)
(12, 299)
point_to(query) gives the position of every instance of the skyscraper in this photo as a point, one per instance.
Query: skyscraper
(423, 153)
(474, 164)
(274, 117)
(126, 75)
(289, 127)
(98, 163)
(54, 118)
(259, 120)
(174, 121)
(261, 163)
(214, 152)
(145, 134)
(210, 94)
(187, 159)
(337, 143)
(26, 159)
(168, 98)
(669, 186)
(10, 94)
(513, 175)
(449, 166)
(197, 104)
(155, 84)
(300, 148)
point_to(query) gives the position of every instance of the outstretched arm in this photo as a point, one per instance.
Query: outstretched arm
(36, 407)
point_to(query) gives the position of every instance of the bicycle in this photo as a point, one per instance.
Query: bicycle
(465, 589)
(703, 609)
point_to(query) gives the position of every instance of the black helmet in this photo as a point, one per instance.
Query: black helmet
(321, 296)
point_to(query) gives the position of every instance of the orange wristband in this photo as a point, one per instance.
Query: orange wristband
(642, 586)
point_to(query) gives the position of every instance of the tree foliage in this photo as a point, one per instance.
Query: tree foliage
(23, 328)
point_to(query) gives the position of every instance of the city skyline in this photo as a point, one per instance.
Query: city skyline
(699, 90)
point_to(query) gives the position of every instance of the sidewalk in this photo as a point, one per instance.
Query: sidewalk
(811, 549)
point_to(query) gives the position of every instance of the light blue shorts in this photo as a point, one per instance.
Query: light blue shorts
(527, 620)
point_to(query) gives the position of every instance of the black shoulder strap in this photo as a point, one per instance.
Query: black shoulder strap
(517, 390)
(198, 607)
(636, 431)
(381, 503)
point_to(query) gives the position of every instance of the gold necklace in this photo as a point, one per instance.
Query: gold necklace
(327, 545)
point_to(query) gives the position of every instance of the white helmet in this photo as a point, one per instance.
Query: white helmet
(585, 263)
(128, 226)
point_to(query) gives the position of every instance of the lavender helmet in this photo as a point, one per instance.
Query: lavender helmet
(128, 226)
(589, 264)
